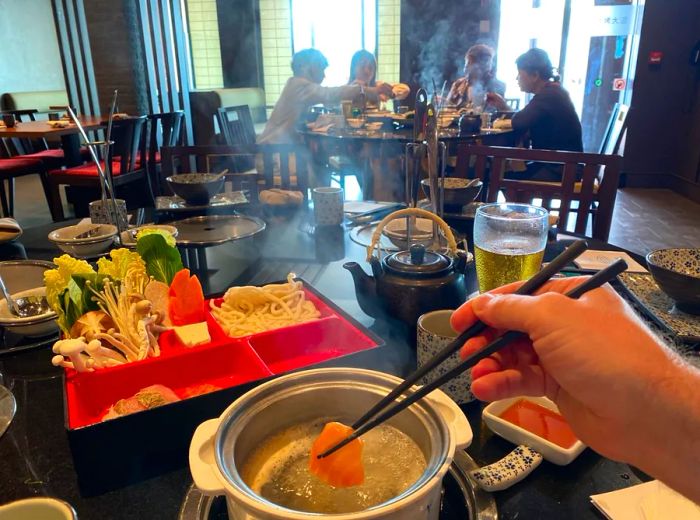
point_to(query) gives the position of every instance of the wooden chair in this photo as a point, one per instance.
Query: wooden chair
(592, 194)
(277, 165)
(127, 158)
(11, 168)
(236, 124)
(24, 148)
(164, 129)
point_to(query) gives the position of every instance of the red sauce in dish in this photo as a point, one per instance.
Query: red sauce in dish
(541, 421)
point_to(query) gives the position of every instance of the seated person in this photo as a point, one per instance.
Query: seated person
(549, 118)
(304, 90)
(363, 71)
(479, 79)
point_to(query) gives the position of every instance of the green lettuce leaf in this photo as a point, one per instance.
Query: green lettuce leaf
(162, 260)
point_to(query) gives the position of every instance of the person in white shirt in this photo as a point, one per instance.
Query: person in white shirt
(304, 90)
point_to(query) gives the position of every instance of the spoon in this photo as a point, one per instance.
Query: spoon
(8, 407)
(89, 233)
(26, 306)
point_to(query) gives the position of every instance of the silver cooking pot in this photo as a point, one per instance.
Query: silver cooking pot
(220, 446)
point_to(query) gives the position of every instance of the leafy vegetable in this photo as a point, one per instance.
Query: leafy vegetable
(162, 260)
(78, 299)
(155, 231)
(121, 261)
(56, 282)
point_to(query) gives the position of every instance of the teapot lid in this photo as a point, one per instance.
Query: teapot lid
(418, 262)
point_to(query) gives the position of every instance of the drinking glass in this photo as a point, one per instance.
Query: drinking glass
(509, 242)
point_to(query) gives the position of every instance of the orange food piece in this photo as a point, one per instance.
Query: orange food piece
(344, 467)
(186, 299)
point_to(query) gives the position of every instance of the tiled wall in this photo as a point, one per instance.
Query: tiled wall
(388, 38)
(204, 42)
(276, 30)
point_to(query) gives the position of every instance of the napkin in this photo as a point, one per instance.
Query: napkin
(649, 501)
(597, 260)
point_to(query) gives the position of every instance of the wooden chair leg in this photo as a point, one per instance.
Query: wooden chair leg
(11, 195)
(3, 200)
(53, 197)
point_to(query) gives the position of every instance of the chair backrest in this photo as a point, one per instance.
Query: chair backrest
(164, 129)
(595, 191)
(129, 146)
(280, 165)
(236, 124)
(19, 146)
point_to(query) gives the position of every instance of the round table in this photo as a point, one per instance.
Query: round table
(378, 157)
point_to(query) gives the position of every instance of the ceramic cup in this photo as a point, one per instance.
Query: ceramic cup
(434, 334)
(37, 508)
(328, 206)
(100, 214)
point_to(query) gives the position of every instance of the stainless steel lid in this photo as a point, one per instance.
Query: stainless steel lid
(418, 262)
(211, 230)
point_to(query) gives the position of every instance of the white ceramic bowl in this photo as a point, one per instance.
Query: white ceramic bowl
(395, 231)
(517, 435)
(39, 508)
(24, 278)
(356, 123)
(129, 237)
(65, 239)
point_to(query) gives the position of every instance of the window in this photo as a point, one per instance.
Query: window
(337, 29)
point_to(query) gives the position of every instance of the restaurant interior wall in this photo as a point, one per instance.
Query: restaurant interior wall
(436, 35)
(30, 60)
(663, 139)
(240, 46)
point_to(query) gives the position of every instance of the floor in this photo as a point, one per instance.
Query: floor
(644, 219)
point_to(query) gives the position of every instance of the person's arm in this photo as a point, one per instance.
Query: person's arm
(624, 393)
(456, 92)
(311, 93)
(534, 111)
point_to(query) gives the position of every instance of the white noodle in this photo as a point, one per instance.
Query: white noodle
(249, 309)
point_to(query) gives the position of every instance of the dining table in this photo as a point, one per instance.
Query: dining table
(69, 134)
(34, 452)
(378, 156)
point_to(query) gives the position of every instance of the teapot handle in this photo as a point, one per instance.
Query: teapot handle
(451, 242)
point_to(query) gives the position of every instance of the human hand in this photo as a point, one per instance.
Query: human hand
(591, 356)
(384, 89)
(497, 100)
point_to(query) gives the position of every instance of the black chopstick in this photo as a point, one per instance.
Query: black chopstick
(595, 281)
(529, 287)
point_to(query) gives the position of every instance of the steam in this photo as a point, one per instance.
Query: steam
(432, 56)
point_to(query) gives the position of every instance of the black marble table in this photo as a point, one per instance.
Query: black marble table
(35, 459)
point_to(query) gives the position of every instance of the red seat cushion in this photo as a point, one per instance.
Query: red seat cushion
(87, 170)
(54, 153)
(10, 165)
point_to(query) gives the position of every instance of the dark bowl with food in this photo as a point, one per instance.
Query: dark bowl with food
(196, 188)
(458, 192)
(677, 273)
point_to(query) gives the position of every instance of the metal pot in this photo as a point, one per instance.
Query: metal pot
(219, 446)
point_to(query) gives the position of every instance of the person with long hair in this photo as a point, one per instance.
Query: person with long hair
(363, 71)
(479, 79)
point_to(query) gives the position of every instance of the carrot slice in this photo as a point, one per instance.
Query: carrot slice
(344, 467)
(186, 299)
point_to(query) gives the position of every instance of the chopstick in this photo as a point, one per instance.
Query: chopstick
(595, 281)
(529, 287)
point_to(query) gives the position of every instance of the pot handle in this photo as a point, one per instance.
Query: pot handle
(452, 414)
(202, 463)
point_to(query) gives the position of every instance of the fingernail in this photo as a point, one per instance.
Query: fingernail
(481, 302)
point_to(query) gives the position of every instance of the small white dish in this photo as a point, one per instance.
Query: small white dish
(65, 239)
(128, 237)
(355, 123)
(33, 326)
(517, 435)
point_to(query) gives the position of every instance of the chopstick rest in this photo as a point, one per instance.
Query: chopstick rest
(510, 470)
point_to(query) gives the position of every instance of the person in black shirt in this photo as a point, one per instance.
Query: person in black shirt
(549, 118)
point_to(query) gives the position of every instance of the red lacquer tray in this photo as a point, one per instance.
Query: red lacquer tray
(120, 451)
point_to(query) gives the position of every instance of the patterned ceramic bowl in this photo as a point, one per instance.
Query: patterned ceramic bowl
(677, 273)
(196, 188)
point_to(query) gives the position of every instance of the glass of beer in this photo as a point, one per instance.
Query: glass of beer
(509, 241)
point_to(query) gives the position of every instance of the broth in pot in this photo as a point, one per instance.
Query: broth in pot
(278, 470)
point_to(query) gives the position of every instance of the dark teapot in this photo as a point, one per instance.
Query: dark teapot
(407, 284)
